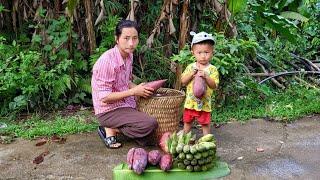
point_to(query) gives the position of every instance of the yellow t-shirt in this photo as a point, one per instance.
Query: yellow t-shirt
(192, 102)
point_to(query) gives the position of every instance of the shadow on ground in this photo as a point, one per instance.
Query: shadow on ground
(290, 151)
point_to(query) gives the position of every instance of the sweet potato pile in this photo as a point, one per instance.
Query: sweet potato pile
(138, 159)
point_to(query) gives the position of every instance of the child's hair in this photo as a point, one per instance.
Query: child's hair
(208, 42)
(125, 24)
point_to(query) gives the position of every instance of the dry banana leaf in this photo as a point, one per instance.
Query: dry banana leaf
(100, 17)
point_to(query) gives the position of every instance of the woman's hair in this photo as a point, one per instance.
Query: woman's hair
(125, 24)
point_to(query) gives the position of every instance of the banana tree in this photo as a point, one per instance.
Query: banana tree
(275, 16)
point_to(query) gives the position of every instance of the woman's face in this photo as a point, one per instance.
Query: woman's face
(127, 41)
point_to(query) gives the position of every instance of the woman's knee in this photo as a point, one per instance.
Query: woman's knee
(153, 123)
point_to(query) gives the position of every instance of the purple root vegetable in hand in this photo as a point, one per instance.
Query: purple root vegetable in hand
(155, 84)
(199, 86)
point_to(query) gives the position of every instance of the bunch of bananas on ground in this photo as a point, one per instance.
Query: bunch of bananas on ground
(190, 154)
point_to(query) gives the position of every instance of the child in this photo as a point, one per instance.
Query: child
(202, 48)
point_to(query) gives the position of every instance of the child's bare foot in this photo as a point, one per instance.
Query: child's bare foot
(206, 129)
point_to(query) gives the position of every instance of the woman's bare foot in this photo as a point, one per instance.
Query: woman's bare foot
(112, 132)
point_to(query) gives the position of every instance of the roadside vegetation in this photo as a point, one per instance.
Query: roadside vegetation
(46, 58)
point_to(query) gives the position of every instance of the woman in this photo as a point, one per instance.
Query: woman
(113, 92)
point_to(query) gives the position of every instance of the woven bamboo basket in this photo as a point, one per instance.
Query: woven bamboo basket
(165, 106)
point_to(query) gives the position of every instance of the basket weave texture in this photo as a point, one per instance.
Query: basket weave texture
(165, 106)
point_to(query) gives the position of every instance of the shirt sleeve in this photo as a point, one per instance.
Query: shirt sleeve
(103, 78)
(214, 74)
(131, 74)
(187, 70)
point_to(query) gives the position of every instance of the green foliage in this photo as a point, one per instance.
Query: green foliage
(151, 14)
(151, 64)
(38, 127)
(232, 54)
(71, 7)
(113, 7)
(43, 75)
(287, 105)
(2, 9)
(107, 32)
(310, 41)
(236, 6)
(184, 57)
(294, 15)
(268, 17)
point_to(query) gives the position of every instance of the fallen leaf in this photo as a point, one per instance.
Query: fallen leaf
(259, 149)
(41, 142)
(38, 159)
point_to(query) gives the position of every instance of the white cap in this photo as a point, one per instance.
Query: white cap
(201, 36)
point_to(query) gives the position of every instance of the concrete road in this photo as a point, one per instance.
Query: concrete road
(290, 151)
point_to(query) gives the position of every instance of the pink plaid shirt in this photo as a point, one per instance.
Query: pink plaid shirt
(111, 74)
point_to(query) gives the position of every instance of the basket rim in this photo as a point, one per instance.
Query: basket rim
(183, 94)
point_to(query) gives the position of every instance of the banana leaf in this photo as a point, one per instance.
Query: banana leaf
(121, 172)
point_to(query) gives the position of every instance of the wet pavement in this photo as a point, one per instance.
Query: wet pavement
(288, 151)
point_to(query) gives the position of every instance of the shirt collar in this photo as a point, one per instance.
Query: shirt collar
(120, 60)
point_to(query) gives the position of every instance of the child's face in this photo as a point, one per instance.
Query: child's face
(203, 53)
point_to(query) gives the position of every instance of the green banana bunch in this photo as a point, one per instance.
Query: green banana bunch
(207, 138)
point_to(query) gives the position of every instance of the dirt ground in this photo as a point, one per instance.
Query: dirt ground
(290, 151)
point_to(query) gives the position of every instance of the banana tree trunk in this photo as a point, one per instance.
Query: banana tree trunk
(5, 16)
(89, 24)
(184, 28)
(57, 8)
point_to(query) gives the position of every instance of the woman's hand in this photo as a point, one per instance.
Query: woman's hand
(141, 90)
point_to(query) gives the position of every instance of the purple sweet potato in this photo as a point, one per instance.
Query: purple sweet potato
(154, 157)
(137, 159)
(130, 157)
(156, 84)
(199, 87)
(166, 162)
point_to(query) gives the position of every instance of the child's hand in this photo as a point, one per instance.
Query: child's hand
(202, 73)
(194, 72)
